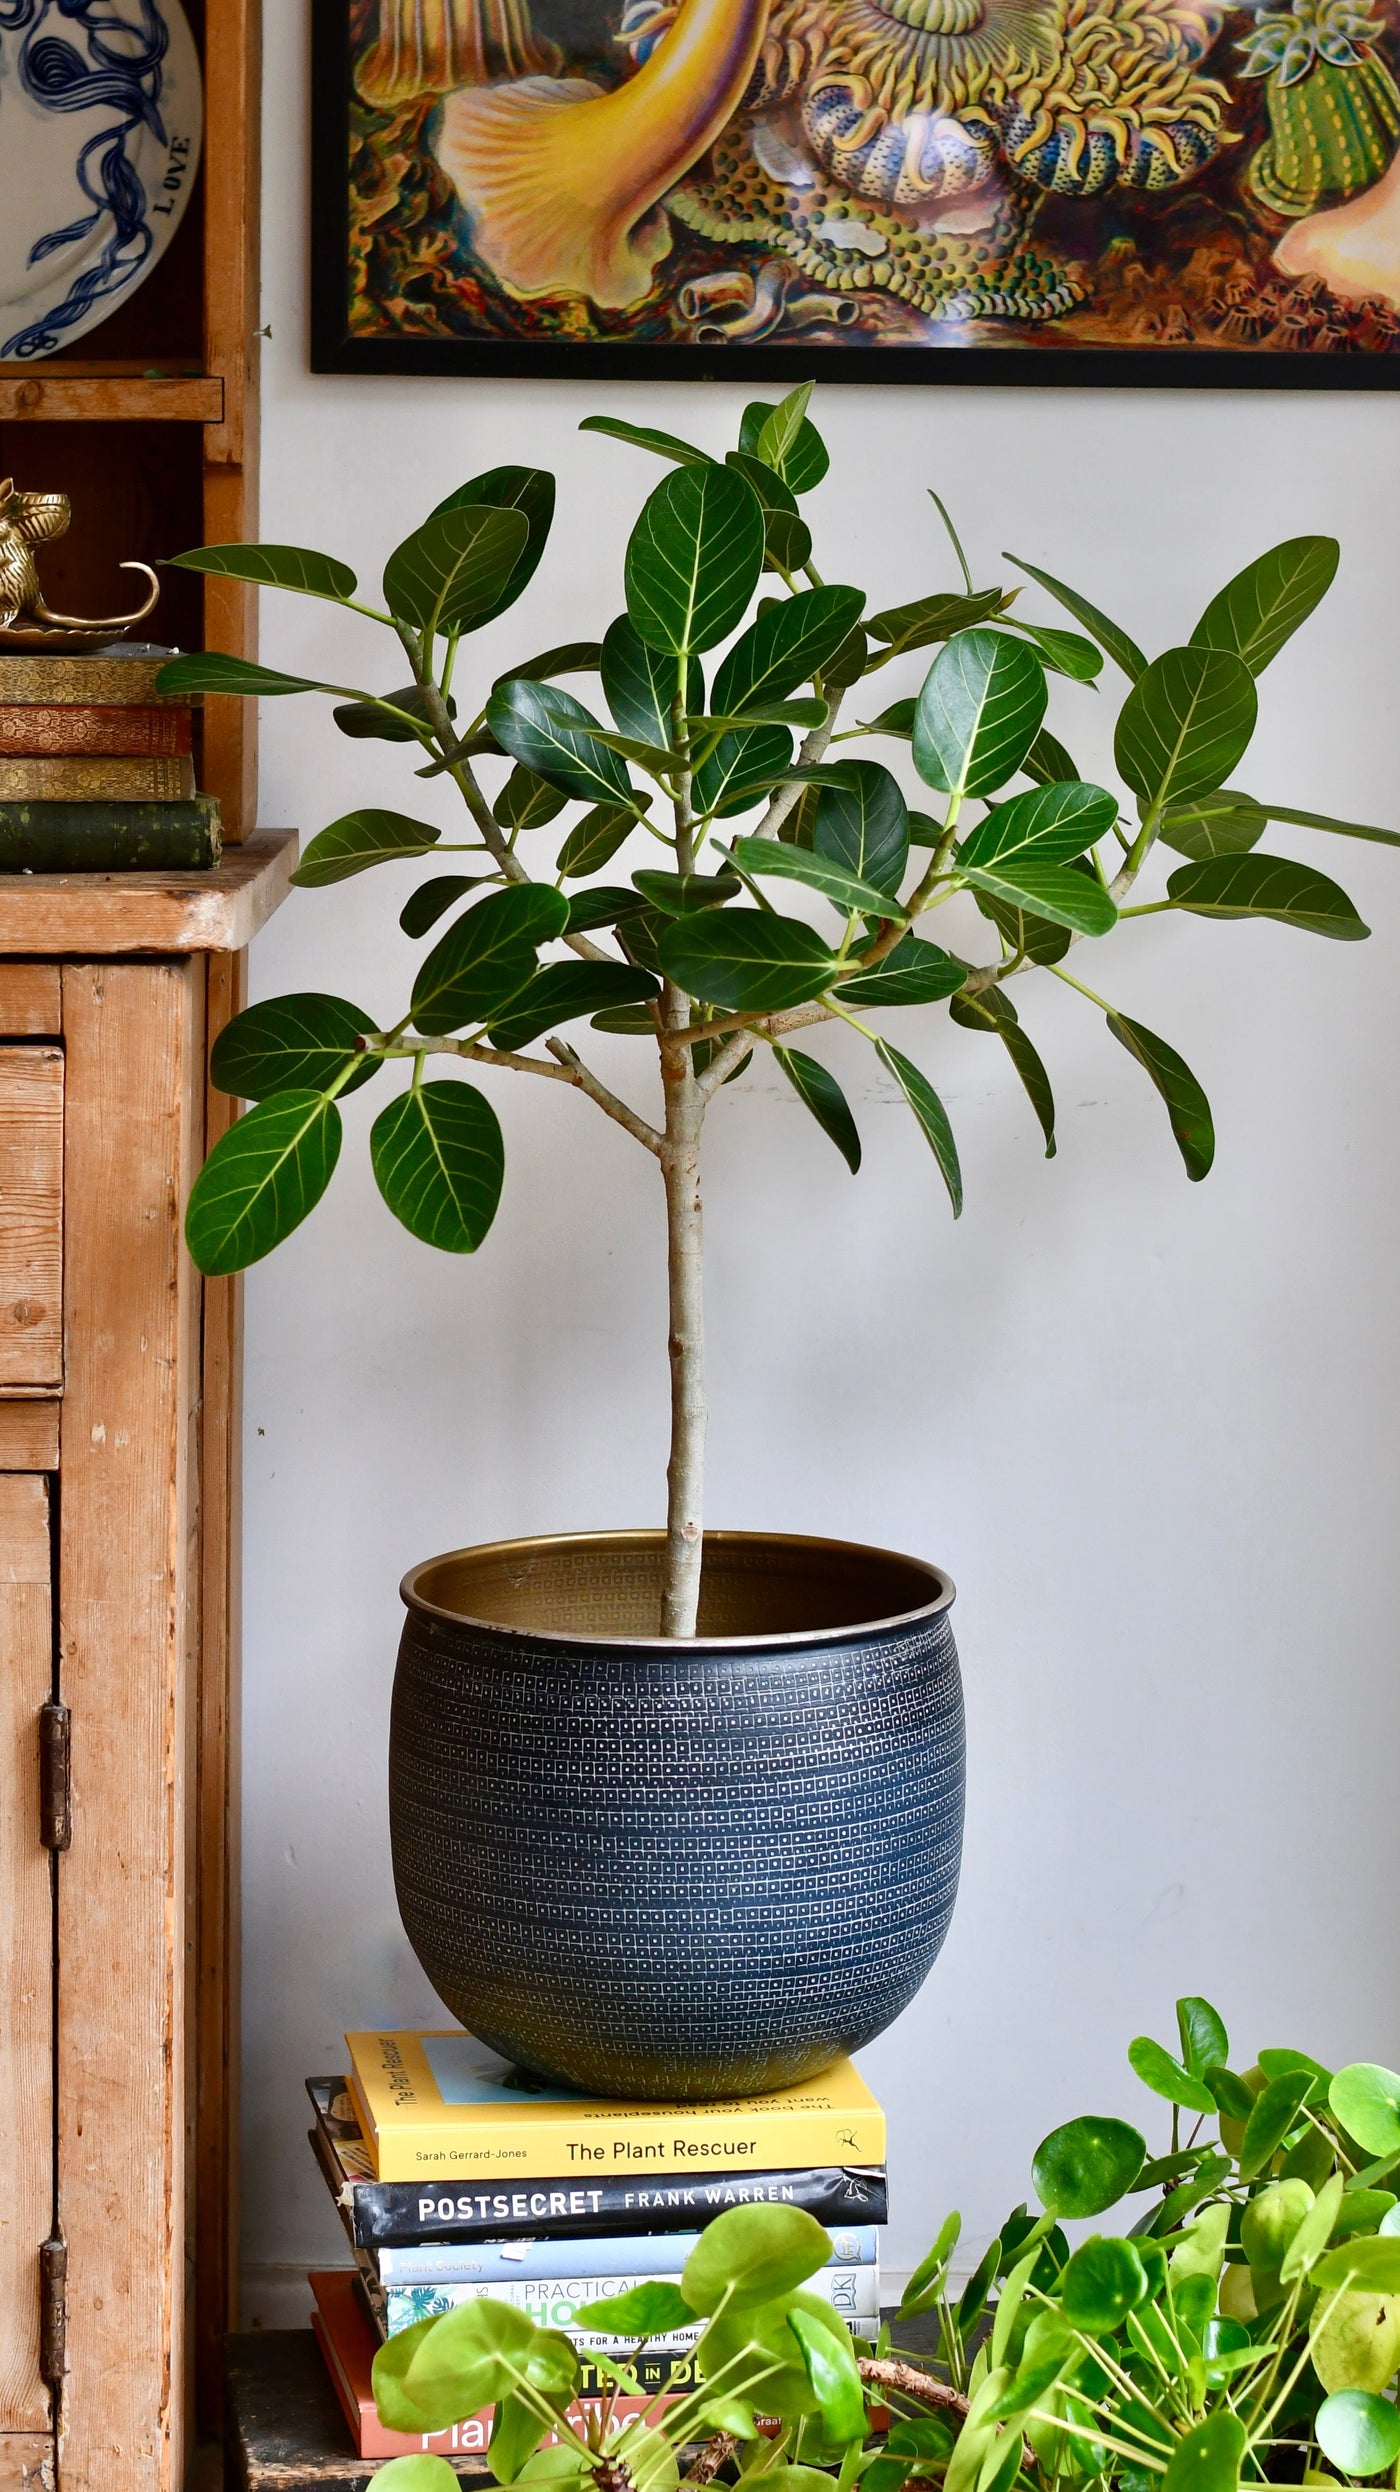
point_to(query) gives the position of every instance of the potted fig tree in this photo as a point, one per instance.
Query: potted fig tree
(737, 1853)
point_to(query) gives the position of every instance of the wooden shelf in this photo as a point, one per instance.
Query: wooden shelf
(105, 916)
(64, 397)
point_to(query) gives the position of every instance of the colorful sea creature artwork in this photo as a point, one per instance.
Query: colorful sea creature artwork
(1096, 176)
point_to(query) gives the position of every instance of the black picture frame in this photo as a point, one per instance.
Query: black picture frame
(335, 349)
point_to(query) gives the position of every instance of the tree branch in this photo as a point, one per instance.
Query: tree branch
(464, 777)
(908, 2381)
(719, 1068)
(708, 2459)
(577, 1072)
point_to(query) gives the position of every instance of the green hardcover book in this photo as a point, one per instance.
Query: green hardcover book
(96, 838)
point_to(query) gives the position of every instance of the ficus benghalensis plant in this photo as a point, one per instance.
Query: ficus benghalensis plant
(715, 750)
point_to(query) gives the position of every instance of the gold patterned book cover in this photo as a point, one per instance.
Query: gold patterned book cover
(83, 779)
(128, 729)
(115, 678)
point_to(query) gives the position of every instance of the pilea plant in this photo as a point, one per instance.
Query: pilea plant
(691, 955)
(1244, 2329)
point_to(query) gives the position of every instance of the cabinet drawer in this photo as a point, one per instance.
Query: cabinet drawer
(31, 1219)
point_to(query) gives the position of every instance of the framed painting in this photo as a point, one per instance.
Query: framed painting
(1161, 192)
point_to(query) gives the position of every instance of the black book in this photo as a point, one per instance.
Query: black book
(398, 2214)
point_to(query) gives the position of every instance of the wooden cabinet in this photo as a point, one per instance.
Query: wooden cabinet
(118, 1408)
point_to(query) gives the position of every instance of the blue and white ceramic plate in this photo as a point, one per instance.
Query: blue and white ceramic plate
(101, 116)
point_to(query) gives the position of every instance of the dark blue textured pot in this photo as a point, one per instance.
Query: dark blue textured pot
(676, 1871)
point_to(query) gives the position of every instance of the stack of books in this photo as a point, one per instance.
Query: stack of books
(459, 2179)
(96, 768)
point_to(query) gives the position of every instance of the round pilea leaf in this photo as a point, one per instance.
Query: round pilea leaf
(1087, 2165)
(1209, 2458)
(1104, 2280)
(1366, 2100)
(751, 2255)
(1359, 2432)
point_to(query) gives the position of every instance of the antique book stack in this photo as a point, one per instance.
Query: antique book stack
(458, 2179)
(96, 768)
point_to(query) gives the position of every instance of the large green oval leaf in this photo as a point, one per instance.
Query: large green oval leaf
(992, 1010)
(373, 721)
(863, 825)
(261, 1179)
(420, 2473)
(423, 907)
(1187, 1106)
(1123, 651)
(450, 575)
(1054, 893)
(553, 734)
(741, 770)
(915, 972)
(441, 2370)
(213, 670)
(1050, 826)
(1087, 2165)
(796, 452)
(822, 1093)
(370, 836)
(640, 683)
(979, 713)
(439, 1162)
(1210, 2457)
(1366, 2100)
(565, 991)
(1104, 2280)
(1204, 2040)
(1259, 886)
(527, 801)
(745, 960)
(1065, 653)
(932, 1116)
(1167, 2076)
(1223, 823)
(694, 558)
(1358, 2432)
(596, 839)
(651, 2309)
(1274, 2113)
(293, 1042)
(1368, 2265)
(924, 620)
(798, 865)
(1354, 2339)
(1053, 824)
(273, 566)
(645, 437)
(1262, 607)
(486, 957)
(751, 2255)
(785, 646)
(829, 2361)
(1185, 725)
(530, 491)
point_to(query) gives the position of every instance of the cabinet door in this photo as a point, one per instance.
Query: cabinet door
(26, 1965)
(31, 1219)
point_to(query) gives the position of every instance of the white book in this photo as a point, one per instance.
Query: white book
(563, 2302)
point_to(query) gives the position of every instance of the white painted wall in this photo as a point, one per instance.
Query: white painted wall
(1150, 1427)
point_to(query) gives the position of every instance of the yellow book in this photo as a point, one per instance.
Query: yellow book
(443, 2103)
(72, 779)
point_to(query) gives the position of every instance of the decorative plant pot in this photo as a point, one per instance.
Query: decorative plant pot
(676, 1870)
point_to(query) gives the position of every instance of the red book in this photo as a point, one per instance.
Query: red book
(349, 2344)
(31, 730)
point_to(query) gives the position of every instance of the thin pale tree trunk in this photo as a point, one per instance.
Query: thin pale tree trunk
(685, 1476)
